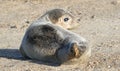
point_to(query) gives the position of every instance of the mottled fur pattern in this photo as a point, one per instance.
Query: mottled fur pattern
(48, 42)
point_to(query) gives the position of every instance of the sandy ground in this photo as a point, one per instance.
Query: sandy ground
(99, 23)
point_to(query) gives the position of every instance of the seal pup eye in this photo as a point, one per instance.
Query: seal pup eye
(66, 19)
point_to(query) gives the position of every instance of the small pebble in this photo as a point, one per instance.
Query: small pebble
(78, 19)
(79, 13)
(114, 2)
(27, 22)
(109, 66)
(116, 28)
(13, 26)
(93, 16)
(25, 1)
(104, 59)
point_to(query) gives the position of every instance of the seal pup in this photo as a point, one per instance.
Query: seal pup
(48, 41)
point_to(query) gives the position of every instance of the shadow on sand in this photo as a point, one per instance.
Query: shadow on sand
(15, 54)
(11, 54)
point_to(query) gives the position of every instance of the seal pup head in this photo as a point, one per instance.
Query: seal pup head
(61, 18)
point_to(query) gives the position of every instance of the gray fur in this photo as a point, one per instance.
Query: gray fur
(48, 42)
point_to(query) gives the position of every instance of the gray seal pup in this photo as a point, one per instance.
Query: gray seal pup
(46, 40)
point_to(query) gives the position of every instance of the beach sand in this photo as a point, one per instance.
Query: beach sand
(99, 23)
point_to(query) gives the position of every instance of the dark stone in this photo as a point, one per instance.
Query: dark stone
(14, 26)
